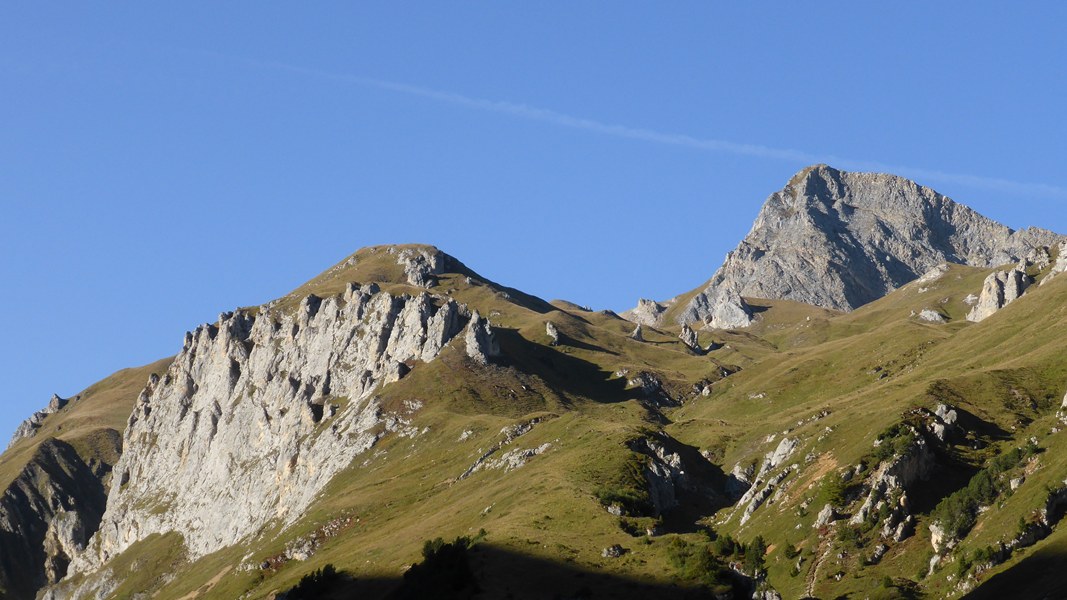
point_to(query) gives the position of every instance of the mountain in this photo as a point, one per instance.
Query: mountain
(401, 427)
(839, 240)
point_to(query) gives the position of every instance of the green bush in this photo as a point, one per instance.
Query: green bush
(790, 551)
(850, 536)
(694, 561)
(724, 546)
(754, 553)
(958, 512)
(315, 584)
(443, 573)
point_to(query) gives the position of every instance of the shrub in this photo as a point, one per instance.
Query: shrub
(754, 555)
(443, 573)
(790, 551)
(696, 562)
(958, 512)
(724, 546)
(315, 584)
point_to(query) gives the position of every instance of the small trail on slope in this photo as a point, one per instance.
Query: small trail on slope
(814, 572)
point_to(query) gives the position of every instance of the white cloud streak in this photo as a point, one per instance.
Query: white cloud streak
(523, 111)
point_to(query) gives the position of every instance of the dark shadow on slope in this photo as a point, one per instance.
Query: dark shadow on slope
(700, 492)
(568, 374)
(982, 429)
(949, 475)
(756, 309)
(55, 480)
(453, 265)
(503, 573)
(1040, 575)
(566, 340)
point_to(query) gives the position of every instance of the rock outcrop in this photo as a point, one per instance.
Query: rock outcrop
(29, 427)
(261, 409)
(552, 333)
(481, 342)
(647, 312)
(1059, 265)
(999, 290)
(637, 334)
(689, 338)
(840, 240)
(421, 265)
(765, 483)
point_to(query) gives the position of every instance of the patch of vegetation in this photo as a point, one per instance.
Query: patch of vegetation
(695, 561)
(850, 536)
(444, 572)
(790, 551)
(840, 493)
(978, 557)
(313, 585)
(895, 440)
(627, 489)
(638, 526)
(958, 512)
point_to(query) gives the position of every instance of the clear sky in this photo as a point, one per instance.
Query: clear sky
(161, 165)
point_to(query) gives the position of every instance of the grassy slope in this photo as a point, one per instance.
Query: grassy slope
(866, 367)
(103, 406)
(875, 364)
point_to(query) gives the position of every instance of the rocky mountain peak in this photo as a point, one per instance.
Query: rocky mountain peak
(839, 240)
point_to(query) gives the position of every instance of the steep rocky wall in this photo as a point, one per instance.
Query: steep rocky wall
(259, 411)
(46, 516)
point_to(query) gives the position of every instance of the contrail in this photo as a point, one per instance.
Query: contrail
(523, 111)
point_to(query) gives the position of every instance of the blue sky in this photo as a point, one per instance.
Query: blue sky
(161, 165)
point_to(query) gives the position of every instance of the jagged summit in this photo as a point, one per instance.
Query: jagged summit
(839, 240)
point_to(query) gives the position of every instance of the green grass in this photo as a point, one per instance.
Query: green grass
(89, 424)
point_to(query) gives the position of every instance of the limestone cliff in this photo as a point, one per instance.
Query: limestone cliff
(261, 409)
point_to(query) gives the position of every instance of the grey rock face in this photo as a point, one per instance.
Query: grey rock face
(825, 517)
(511, 459)
(721, 308)
(647, 312)
(664, 473)
(29, 427)
(552, 333)
(259, 411)
(899, 473)
(765, 483)
(1060, 264)
(999, 290)
(689, 337)
(638, 334)
(481, 342)
(840, 240)
(421, 266)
